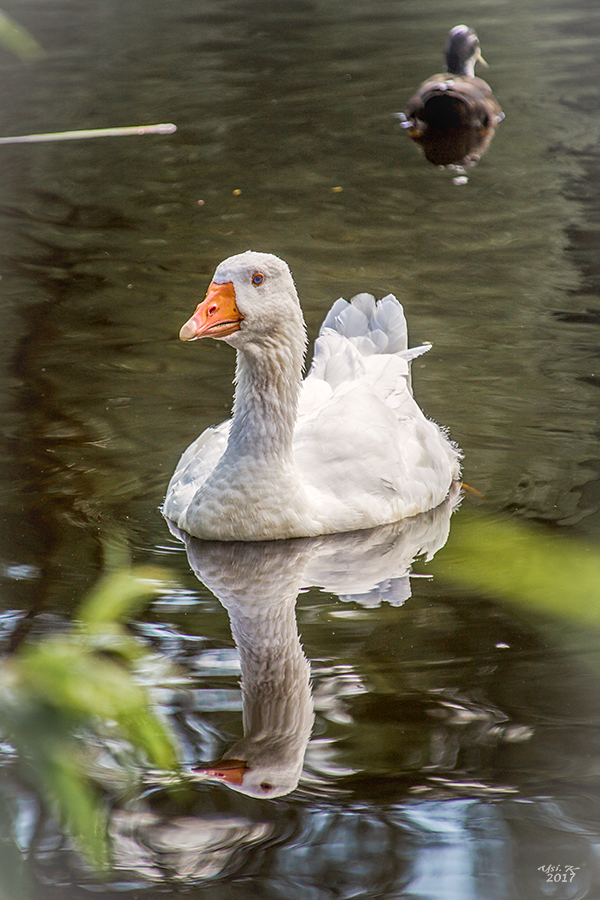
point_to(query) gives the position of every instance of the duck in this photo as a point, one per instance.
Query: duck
(454, 115)
(344, 449)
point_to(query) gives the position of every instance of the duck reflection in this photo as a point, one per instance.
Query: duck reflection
(453, 116)
(455, 146)
(258, 584)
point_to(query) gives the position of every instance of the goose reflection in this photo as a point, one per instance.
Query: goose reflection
(258, 584)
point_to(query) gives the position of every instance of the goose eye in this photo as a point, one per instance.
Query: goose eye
(258, 278)
(265, 786)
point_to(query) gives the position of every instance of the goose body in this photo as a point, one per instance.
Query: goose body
(454, 115)
(347, 448)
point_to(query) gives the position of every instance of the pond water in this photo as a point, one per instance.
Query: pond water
(455, 747)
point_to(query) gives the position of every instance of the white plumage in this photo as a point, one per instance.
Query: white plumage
(345, 449)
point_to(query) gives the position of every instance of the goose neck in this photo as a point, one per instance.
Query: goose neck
(268, 380)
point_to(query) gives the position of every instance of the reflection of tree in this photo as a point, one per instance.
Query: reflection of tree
(55, 444)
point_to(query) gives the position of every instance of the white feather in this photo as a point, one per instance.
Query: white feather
(346, 449)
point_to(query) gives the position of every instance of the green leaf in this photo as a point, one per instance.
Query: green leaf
(87, 686)
(120, 595)
(18, 40)
(85, 689)
(77, 804)
(523, 563)
(149, 733)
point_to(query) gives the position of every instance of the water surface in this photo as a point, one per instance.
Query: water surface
(455, 744)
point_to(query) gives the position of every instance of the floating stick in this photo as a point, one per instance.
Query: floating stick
(166, 128)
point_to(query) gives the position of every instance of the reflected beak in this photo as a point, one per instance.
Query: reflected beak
(479, 58)
(231, 771)
(217, 315)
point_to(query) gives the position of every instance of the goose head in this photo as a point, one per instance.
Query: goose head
(257, 771)
(462, 51)
(250, 300)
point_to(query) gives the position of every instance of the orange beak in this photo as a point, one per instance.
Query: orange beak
(231, 771)
(217, 315)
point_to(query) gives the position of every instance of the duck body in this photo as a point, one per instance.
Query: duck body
(346, 448)
(453, 101)
(454, 114)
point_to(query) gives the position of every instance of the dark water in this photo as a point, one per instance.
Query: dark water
(456, 742)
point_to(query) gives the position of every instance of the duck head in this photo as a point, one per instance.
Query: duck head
(463, 51)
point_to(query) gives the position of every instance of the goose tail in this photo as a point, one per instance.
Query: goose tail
(372, 326)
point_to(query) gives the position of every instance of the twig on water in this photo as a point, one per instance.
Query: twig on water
(166, 128)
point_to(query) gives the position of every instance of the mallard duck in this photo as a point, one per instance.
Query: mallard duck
(454, 115)
(346, 448)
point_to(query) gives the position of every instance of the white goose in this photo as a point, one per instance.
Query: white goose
(347, 448)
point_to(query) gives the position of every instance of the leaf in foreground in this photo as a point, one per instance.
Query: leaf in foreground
(58, 693)
(525, 564)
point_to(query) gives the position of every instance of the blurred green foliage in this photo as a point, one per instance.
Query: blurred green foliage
(18, 40)
(531, 566)
(63, 696)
